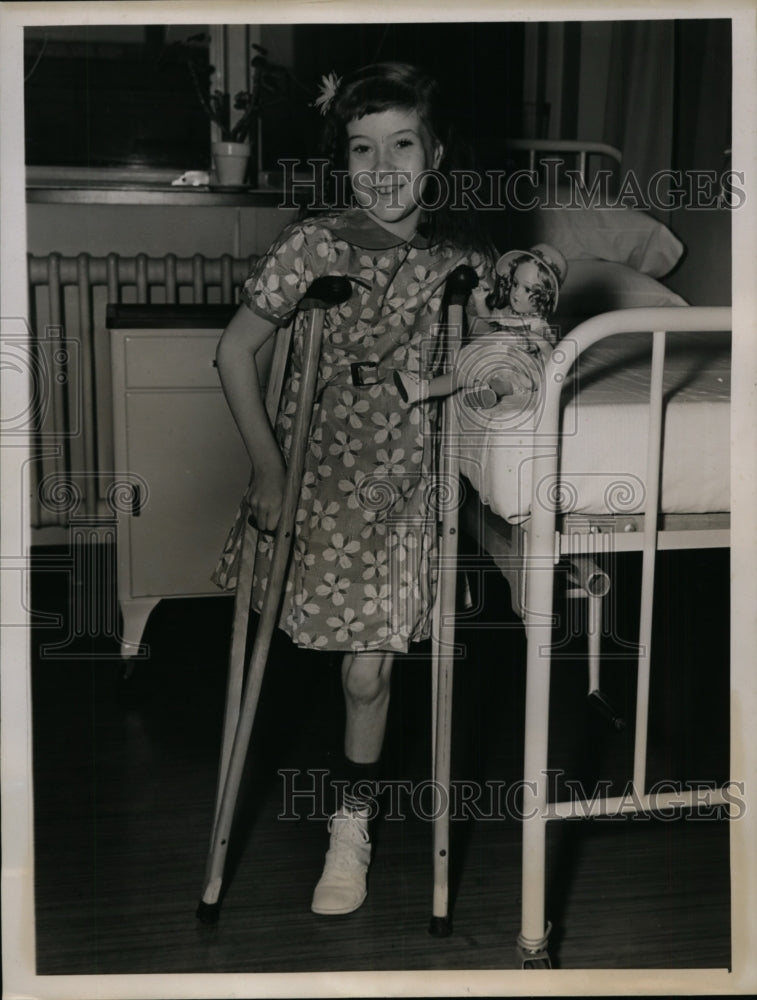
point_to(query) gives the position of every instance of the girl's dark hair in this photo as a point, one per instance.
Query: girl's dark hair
(393, 85)
(542, 298)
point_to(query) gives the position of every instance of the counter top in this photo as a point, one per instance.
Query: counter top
(124, 186)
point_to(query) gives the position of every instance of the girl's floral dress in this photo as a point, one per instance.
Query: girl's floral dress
(363, 568)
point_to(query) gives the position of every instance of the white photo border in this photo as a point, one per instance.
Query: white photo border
(18, 917)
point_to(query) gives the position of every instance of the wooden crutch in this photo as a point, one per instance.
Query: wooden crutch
(240, 708)
(459, 285)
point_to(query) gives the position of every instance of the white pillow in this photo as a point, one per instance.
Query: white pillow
(625, 235)
(596, 286)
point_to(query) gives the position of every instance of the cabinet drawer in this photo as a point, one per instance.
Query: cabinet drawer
(171, 361)
(160, 360)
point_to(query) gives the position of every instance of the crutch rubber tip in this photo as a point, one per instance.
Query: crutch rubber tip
(208, 913)
(440, 927)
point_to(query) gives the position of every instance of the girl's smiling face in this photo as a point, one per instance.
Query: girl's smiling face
(388, 153)
(525, 281)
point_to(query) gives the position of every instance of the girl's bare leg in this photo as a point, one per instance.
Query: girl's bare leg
(366, 683)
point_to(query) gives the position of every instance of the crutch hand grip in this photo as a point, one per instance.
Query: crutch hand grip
(330, 290)
(461, 283)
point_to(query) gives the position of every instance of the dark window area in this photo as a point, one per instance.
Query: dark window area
(102, 103)
(478, 64)
(122, 97)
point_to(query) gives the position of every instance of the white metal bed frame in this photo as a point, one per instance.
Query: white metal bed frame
(527, 555)
(571, 147)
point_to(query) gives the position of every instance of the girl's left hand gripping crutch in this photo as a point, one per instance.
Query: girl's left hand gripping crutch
(323, 293)
(459, 285)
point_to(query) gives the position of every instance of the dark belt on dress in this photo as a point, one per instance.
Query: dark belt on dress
(365, 373)
(362, 373)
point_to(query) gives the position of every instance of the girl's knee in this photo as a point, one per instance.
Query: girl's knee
(366, 676)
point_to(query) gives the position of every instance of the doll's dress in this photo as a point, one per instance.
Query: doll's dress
(505, 349)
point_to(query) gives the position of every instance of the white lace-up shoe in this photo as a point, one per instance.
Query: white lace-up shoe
(341, 887)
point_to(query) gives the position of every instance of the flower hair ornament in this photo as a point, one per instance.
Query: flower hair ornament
(328, 91)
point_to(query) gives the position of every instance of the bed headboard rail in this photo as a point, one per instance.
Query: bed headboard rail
(578, 148)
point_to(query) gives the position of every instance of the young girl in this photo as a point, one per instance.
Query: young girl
(508, 358)
(362, 576)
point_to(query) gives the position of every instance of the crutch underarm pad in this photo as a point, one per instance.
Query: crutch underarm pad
(330, 290)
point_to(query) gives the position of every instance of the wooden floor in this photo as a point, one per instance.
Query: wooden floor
(124, 784)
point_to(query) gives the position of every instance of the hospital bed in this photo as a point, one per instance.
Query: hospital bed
(550, 484)
(625, 448)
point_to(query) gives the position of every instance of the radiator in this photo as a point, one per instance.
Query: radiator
(72, 451)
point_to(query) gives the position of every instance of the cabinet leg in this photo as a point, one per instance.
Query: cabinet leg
(135, 613)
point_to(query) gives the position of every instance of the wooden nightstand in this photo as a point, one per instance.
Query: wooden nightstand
(178, 450)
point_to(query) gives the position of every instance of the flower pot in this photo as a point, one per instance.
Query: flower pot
(231, 160)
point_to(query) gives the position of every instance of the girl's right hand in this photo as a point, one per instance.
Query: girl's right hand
(265, 495)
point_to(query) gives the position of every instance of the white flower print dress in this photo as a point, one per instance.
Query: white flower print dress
(363, 568)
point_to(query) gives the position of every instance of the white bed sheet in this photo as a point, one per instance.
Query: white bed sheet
(603, 449)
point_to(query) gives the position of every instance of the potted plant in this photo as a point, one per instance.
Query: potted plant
(233, 151)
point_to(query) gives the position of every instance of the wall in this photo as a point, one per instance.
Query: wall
(703, 136)
(661, 92)
(152, 229)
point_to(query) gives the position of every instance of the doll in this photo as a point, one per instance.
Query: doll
(511, 335)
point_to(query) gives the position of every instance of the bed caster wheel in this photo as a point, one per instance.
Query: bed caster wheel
(533, 953)
(440, 927)
(537, 961)
(208, 913)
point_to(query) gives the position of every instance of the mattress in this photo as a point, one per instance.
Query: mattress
(603, 434)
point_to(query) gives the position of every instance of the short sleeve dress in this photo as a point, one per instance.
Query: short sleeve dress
(363, 569)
